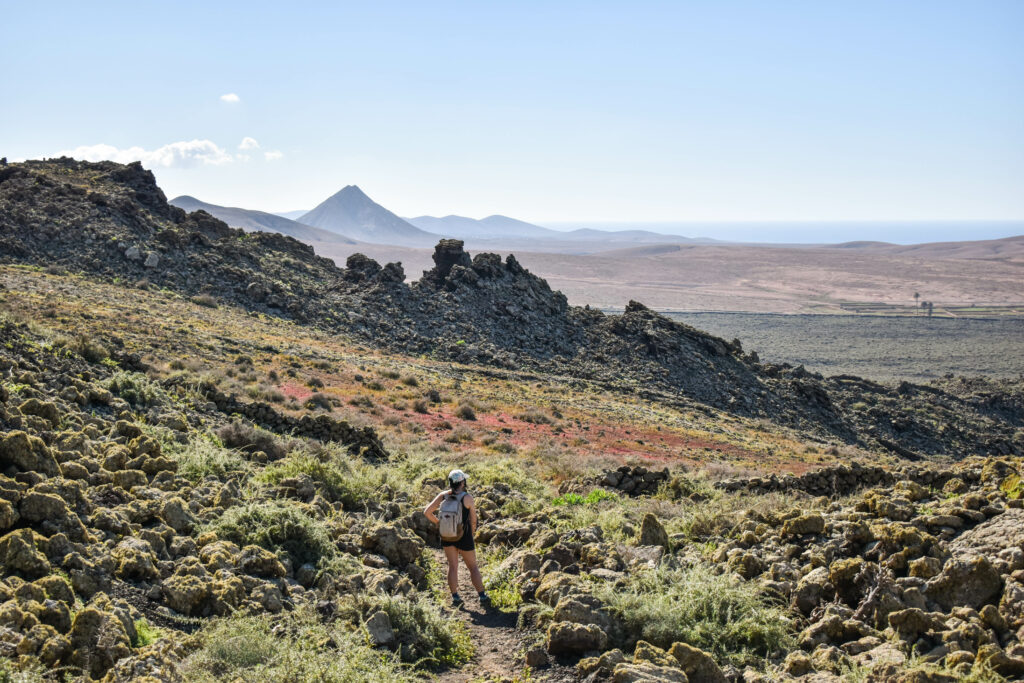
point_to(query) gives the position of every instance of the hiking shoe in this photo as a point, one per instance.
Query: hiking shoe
(485, 600)
(456, 600)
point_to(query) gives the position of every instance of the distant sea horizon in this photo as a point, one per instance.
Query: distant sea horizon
(815, 232)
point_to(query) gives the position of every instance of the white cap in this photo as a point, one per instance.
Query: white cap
(455, 476)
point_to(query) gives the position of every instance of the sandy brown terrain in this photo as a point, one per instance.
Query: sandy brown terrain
(765, 279)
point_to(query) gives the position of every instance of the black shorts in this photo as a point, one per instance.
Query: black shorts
(465, 543)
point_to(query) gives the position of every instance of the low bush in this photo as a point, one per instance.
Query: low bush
(424, 634)
(719, 613)
(592, 498)
(318, 401)
(205, 300)
(278, 526)
(140, 391)
(292, 647)
(464, 411)
(201, 458)
(145, 633)
(85, 346)
(534, 416)
(249, 438)
(351, 484)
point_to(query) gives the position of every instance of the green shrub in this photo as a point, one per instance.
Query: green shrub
(278, 526)
(145, 633)
(465, 412)
(140, 391)
(249, 438)
(501, 583)
(341, 481)
(29, 672)
(293, 648)
(719, 613)
(424, 634)
(201, 458)
(592, 498)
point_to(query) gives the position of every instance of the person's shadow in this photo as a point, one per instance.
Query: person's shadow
(491, 617)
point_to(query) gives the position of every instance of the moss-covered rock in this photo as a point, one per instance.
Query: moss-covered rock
(27, 453)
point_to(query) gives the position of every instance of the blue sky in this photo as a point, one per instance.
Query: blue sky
(567, 111)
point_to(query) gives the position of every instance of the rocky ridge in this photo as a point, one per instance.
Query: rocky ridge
(112, 221)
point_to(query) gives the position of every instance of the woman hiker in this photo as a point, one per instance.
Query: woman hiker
(455, 514)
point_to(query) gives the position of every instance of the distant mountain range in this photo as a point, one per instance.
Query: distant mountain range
(250, 220)
(485, 228)
(350, 212)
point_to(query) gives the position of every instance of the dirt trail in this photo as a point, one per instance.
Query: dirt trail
(499, 645)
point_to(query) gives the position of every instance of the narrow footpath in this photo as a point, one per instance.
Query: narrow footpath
(499, 645)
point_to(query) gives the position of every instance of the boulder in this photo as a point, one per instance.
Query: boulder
(98, 640)
(811, 589)
(378, 629)
(810, 523)
(697, 664)
(185, 593)
(135, 560)
(258, 561)
(1011, 605)
(581, 609)
(993, 536)
(965, 582)
(27, 453)
(394, 542)
(38, 507)
(797, 664)
(128, 479)
(565, 637)
(652, 532)
(176, 514)
(912, 623)
(19, 553)
(44, 409)
(847, 578)
(9, 515)
(553, 586)
(645, 652)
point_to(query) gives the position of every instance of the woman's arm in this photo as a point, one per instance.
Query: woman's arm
(434, 504)
(471, 506)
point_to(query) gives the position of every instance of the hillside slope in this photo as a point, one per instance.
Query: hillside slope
(112, 221)
(250, 221)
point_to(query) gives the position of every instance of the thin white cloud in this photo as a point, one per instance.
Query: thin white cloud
(230, 98)
(273, 155)
(248, 143)
(182, 154)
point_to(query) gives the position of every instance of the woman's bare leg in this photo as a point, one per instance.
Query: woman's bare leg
(469, 557)
(452, 554)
